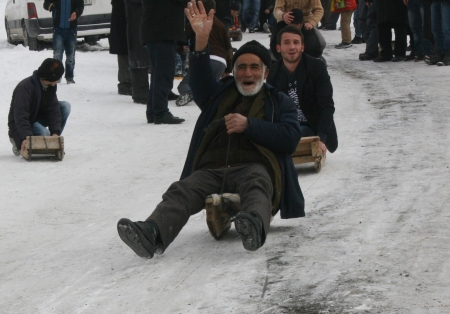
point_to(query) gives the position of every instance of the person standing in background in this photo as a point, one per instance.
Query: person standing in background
(118, 45)
(65, 15)
(162, 26)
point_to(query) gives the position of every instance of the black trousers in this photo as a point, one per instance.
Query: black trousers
(187, 197)
(162, 58)
(124, 74)
(139, 80)
(385, 38)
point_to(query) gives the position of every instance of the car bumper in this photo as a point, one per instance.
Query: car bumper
(35, 30)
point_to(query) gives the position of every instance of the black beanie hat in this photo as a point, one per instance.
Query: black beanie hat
(298, 16)
(51, 70)
(255, 48)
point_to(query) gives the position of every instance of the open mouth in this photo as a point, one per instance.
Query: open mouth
(248, 84)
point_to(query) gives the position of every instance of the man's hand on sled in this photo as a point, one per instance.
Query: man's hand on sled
(201, 23)
(323, 148)
(235, 123)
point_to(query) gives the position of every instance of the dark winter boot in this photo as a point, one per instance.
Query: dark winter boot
(435, 59)
(140, 236)
(249, 226)
(446, 60)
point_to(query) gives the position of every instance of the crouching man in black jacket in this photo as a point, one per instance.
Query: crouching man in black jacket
(34, 106)
(241, 144)
(306, 81)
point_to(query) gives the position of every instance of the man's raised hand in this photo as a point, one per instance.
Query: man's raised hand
(201, 23)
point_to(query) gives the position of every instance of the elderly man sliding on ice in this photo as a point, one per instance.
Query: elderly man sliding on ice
(241, 144)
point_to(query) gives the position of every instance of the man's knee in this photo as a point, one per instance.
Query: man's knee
(65, 108)
(40, 130)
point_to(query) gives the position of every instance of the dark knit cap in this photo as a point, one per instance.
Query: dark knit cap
(298, 16)
(255, 48)
(51, 70)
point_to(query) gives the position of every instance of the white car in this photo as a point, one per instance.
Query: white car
(27, 22)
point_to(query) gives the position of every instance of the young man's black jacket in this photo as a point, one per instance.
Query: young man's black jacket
(315, 95)
(29, 104)
(54, 6)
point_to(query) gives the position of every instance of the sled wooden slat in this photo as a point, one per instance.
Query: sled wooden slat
(43, 145)
(218, 216)
(308, 150)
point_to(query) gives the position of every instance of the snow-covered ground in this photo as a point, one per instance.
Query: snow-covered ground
(375, 238)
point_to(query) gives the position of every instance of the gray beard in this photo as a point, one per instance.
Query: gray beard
(252, 92)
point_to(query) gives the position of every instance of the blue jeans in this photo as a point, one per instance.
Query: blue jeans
(65, 39)
(162, 59)
(415, 17)
(357, 24)
(440, 25)
(253, 7)
(40, 127)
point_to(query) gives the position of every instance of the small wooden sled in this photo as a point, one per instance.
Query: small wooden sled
(44, 145)
(235, 34)
(308, 150)
(220, 211)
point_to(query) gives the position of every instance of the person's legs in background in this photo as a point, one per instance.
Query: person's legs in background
(400, 41)
(163, 68)
(358, 29)
(70, 43)
(124, 76)
(139, 81)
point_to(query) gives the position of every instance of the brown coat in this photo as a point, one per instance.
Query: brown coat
(312, 9)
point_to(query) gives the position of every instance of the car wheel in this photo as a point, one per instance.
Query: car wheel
(8, 32)
(31, 42)
(91, 40)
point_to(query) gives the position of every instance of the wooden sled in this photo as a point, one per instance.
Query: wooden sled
(220, 211)
(308, 150)
(235, 34)
(47, 145)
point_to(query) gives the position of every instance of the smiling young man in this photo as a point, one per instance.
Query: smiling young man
(241, 144)
(306, 81)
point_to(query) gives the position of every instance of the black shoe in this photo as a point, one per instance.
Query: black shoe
(445, 61)
(410, 57)
(173, 96)
(357, 40)
(249, 226)
(382, 59)
(329, 28)
(184, 99)
(168, 118)
(398, 59)
(70, 80)
(366, 57)
(140, 236)
(343, 45)
(419, 58)
(435, 59)
(150, 119)
(141, 101)
(125, 92)
(251, 30)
